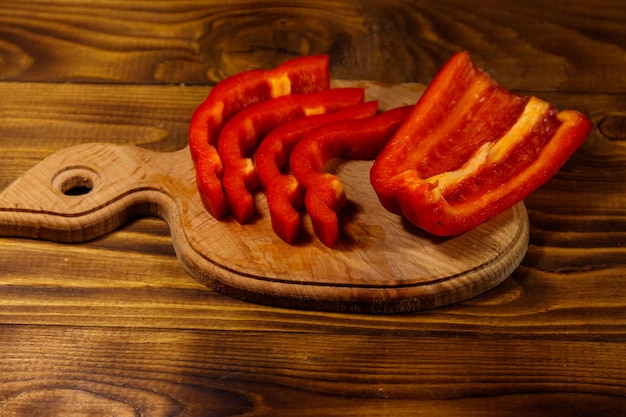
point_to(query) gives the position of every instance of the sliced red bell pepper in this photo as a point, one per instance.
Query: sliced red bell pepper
(352, 139)
(283, 191)
(470, 150)
(298, 76)
(243, 131)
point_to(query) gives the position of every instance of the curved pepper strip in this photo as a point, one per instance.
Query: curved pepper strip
(352, 139)
(470, 150)
(284, 193)
(244, 130)
(297, 76)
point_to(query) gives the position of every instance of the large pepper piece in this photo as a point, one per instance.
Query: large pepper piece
(352, 139)
(284, 193)
(298, 76)
(470, 150)
(245, 129)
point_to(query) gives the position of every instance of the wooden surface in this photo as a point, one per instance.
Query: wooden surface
(115, 326)
(380, 264)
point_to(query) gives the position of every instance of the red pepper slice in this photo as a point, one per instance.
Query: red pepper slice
(283, 191)
(353, 139)
(297, 76)
(470, 150)
(243, 131)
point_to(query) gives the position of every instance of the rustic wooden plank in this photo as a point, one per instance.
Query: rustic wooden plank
(107, 289)
(39, 119)
(132, 279)
(194, 373)
(534, 45)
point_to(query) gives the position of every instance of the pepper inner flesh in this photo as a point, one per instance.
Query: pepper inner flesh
(504, 158)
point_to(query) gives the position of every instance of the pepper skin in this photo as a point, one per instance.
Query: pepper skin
(352, 139)
(297, 76)
(470, 150)
(284, 193)
(246, 128)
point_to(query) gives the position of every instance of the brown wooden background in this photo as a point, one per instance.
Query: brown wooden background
(115, 327)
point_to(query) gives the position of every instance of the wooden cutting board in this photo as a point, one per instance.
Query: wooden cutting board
(381, 264)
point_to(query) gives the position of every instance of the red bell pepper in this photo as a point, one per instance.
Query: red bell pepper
(243, 131)
(300, 75)
(352, 139)
(284, 194)
(470, 150)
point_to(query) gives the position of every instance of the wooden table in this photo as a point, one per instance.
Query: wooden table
(115, 326)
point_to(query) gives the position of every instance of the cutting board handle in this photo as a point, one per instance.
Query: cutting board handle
(86, 191)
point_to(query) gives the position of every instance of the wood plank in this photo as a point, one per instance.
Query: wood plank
(39, 119)
(541, 46)
(88, 285)
(160, 372)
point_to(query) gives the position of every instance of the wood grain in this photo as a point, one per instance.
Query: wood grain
(126, 294)
(564, 45)
(94, 301)
(262, 373)
(115, 326)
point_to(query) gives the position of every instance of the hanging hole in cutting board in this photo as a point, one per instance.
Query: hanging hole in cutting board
(75, 181)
